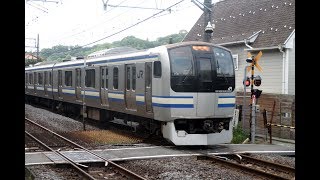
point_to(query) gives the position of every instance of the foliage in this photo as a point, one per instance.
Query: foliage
(60, 52)
(239, 135)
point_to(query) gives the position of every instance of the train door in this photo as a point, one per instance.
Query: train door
(104, 86)
(60, 84)
(78, 84)
(130, 86)
(45, 83)
(203, 63)
(148, 86)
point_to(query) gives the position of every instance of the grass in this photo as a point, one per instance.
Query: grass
(239, 135)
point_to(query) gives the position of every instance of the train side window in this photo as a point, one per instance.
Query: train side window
(157, 69)
(45, 77)
(102, 78)
(148, 75)
(128, 77)
(107, 78)
(35, 78)
(90, 78)
(50, 78)
(40, 78)
(115, 78)
(30, 78)
(134, 78)
(26, 78)
(68, 78)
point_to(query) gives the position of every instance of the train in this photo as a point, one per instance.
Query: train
(183, 91)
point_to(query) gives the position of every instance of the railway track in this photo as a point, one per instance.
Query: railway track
(253, 165)
(79, 167)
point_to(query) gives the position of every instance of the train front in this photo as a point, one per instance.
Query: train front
(202, 93)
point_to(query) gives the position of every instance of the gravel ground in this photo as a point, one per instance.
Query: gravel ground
(167, 168)
(56, 122)
(185, 168)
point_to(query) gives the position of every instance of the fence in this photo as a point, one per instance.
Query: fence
(279, 107)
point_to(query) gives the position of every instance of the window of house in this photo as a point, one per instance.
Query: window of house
(68, 78)
(235, 61)
(90, 78)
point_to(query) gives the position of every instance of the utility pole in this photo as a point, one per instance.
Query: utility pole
(38, 48)
(207, 9)
(207, 18)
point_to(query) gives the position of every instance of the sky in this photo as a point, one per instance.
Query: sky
(82, 22)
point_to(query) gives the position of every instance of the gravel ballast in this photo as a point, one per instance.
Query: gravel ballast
(164, 168)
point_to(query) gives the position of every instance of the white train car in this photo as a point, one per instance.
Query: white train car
(184, 91)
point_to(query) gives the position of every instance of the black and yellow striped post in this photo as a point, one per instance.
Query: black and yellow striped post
(255, 93)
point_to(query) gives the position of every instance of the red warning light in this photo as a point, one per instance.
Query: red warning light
(247, 82)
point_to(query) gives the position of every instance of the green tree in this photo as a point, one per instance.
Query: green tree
(60, 52)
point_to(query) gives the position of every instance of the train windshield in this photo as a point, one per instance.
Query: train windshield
(201, 69)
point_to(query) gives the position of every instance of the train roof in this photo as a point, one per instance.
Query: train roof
(194, 43)
(117, 53)
(112, 51)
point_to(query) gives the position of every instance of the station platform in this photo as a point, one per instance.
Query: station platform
(121, 154)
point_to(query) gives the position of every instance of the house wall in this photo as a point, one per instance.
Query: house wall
(271, 63)
(291, 58)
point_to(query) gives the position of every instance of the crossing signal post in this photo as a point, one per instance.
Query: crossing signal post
(255, 93)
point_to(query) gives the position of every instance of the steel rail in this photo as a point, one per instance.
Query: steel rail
(249, 169)
(76, 165)
(278, 166)
(125, 171)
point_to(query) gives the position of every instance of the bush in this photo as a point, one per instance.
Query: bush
(239, 135)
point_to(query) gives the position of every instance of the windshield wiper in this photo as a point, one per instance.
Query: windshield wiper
(225, 78)
(187, 75)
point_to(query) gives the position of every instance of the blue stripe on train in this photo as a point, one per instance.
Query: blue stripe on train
(173, 105)
(225, 105)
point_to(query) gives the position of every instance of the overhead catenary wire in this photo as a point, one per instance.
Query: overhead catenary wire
(96, 25)
(128, 26)
(37, 7)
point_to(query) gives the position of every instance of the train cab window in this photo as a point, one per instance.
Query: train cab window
(182, 62)
(115, 78)
(157, 69)
(68, 78)
(224, 62)
(30, 78)
(90, 78)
